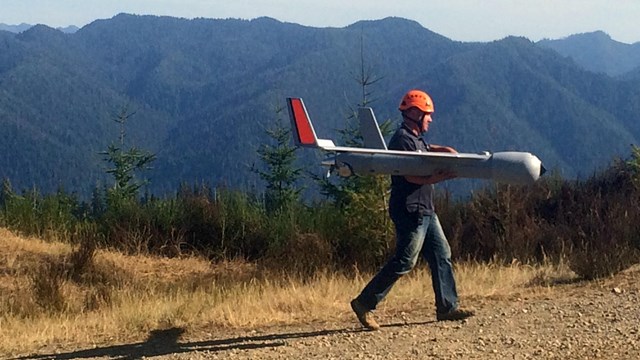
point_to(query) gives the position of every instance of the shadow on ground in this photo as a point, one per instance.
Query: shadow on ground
(166, 341)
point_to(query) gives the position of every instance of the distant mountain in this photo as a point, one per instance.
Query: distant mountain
(597, 52)
(68, 29)
(14, 28)
(23, 27)
(202, 92)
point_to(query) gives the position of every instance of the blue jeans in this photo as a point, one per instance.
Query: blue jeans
(416, 235)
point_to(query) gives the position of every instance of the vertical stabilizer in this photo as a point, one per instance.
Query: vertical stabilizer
(303, 133)
(370, 130)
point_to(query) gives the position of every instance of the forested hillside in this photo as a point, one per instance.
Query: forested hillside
(597, 52)
(201, 93)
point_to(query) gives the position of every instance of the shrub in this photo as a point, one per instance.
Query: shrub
(47, 286)
(302, 256)
(95, 280)
(606, 223)
(501, 223)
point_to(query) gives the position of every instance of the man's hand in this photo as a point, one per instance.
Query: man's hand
(437, 176)
(444, 149)
(442, 175)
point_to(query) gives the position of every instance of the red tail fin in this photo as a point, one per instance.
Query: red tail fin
(303, 133)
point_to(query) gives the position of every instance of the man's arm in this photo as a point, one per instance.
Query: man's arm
(436, 177)
(440, 148)
(439, 175)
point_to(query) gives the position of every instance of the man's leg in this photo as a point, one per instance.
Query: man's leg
(410, 234)
(437, 252)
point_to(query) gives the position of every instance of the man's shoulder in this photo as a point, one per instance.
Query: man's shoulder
(403, 139)
(402, 130)
(402, 133)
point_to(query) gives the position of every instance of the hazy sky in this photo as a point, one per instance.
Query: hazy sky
(465, 20)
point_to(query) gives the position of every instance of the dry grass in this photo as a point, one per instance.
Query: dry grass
(122, 298)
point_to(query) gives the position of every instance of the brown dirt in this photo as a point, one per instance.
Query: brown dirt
(584, 320)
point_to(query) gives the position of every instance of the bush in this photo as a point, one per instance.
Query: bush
(302, 256)
(47, 217)
(96, 281)
(501, 223)
(606, 221)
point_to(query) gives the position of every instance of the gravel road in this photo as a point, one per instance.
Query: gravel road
(595, 320)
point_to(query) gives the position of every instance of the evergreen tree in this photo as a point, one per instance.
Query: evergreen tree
(345, 190)
(126, 162)
(6, 192)
(362, 199)
(98, 204)
(634, 162)
(281, 175)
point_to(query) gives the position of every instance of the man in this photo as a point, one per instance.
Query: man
(418, 230)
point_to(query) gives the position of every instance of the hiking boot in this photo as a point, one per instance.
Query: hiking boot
(365, 316)
(453, 315)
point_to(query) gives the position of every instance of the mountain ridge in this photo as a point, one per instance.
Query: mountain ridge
(203, 91)
(598, 52)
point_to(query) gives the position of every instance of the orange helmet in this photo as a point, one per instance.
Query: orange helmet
(417, 98)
